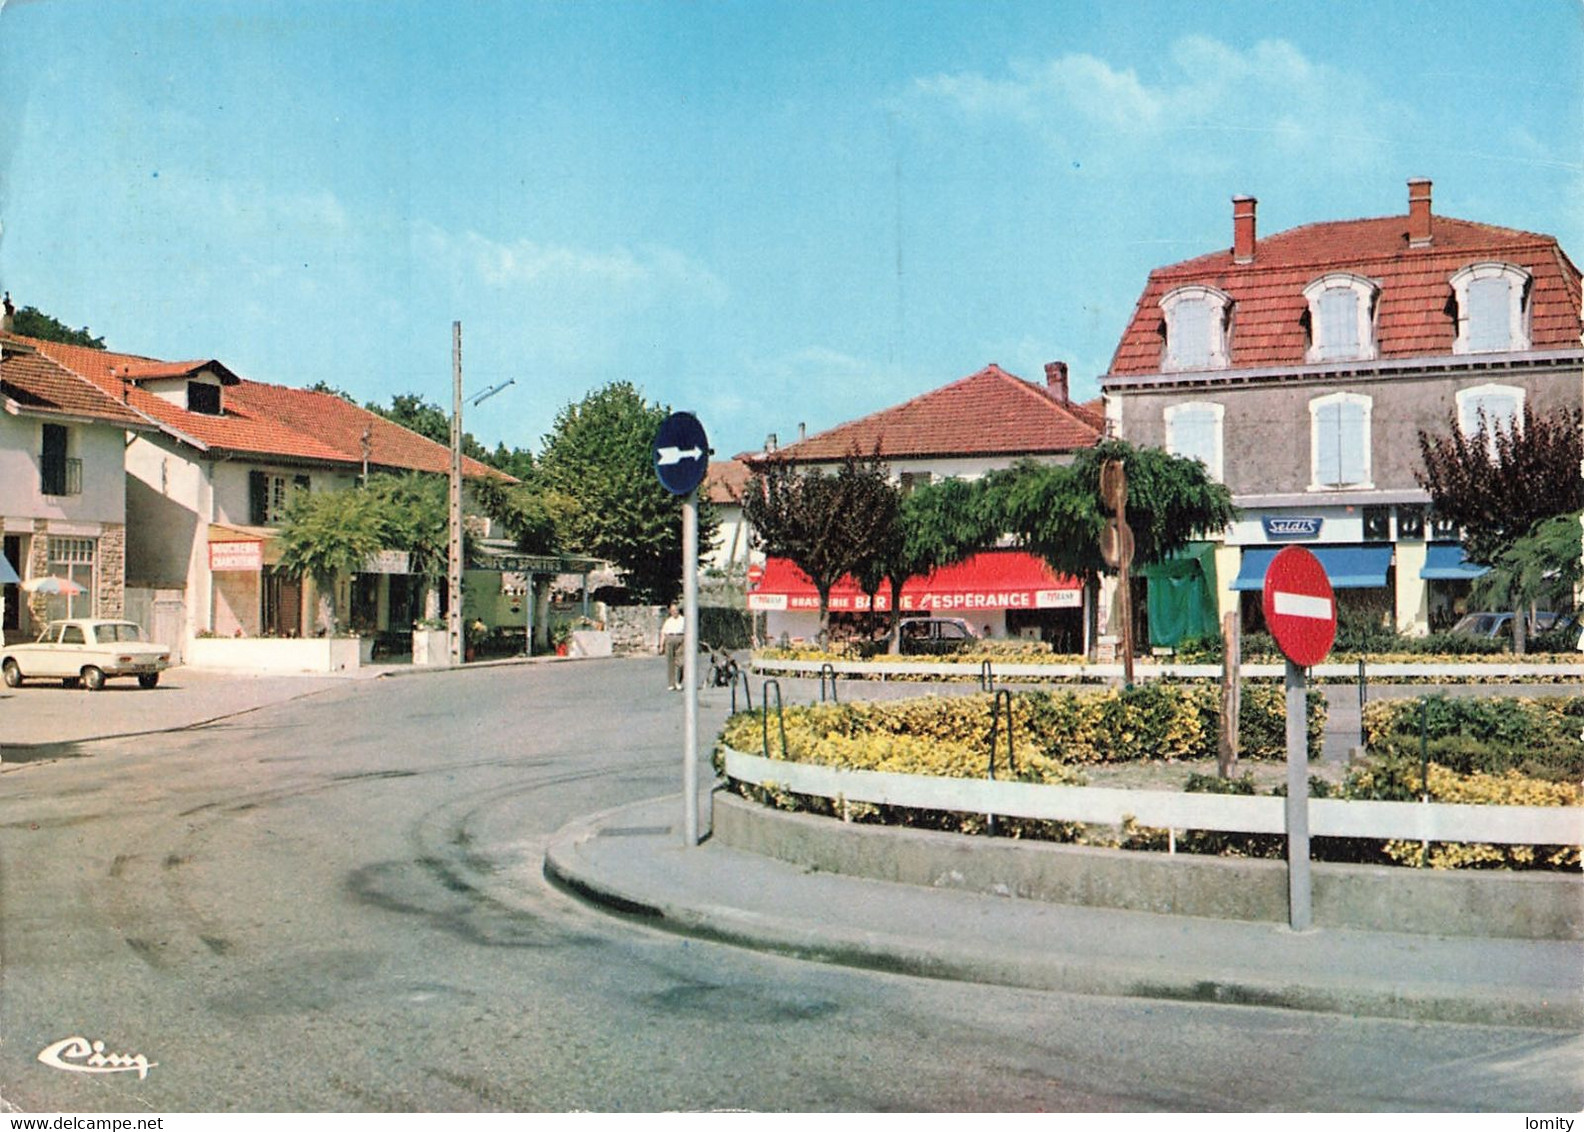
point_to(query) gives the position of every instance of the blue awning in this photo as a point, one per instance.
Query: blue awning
(1348, 567)
(8, 576)
(1445, 560)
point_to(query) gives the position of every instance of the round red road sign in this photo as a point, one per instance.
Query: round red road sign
(1300, 608)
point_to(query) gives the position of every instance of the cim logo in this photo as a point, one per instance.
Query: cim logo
(1292, 526)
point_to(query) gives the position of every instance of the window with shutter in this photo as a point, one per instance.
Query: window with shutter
(1492, 308)
(1496, 408)
(1193, 431)
(1196, 328)
(258, 499)
(1340, 441)
(1341, 317)
(52, 460)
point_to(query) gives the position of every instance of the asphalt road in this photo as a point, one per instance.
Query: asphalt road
(290, 910)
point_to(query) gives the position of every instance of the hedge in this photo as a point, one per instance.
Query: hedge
(1541, 737)
(1058, 732)
(1148, 721)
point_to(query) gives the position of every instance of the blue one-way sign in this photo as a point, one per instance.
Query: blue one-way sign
(681, 453)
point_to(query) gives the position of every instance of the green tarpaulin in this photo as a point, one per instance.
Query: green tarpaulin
(1182, 597)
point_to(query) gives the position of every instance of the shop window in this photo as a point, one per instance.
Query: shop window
(1340, 441)
(72, 558)
(1411, 521)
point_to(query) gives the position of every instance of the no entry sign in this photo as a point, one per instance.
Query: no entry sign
(1299, 606)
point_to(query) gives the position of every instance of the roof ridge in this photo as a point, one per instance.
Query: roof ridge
(97, 389)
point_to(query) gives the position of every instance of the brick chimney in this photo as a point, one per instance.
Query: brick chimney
(1243, 229)
(1056, 381)
(1419, 222)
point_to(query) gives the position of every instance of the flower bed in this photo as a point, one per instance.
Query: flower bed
(1058, 734)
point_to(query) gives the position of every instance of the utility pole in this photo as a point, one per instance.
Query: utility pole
(454, 556)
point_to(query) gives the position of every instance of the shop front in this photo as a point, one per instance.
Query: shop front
(1001, 593)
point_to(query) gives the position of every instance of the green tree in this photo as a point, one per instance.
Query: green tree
(414, 512)
(522, 510)
(1499, 482)
(30, 322)
(323, 386)
(412, 411)
(936, 525)
(1541, 568)
(1056, 511)
(826, 524)
(597, 472)
(329, 533)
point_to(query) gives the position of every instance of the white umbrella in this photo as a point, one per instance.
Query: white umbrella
(49, 584)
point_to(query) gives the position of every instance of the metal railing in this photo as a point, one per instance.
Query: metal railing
(764, 725)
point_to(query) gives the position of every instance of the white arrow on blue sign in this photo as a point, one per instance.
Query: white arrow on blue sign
(681, 453)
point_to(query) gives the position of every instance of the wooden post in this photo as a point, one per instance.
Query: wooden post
(1231, 692)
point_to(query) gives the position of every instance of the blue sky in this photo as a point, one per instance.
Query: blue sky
(767, 213)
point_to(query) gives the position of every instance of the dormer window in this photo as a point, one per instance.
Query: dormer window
(1196, 328)
(1492, 308)
(1341, 318)
(203, 397)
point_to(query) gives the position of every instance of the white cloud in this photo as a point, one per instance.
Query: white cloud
(1210, 95)
(528, 264)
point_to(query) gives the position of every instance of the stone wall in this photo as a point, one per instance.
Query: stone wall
(634, 628)
(111, 570)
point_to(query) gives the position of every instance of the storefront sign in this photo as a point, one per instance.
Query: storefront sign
(248, 556)
(1280, 528)
(387, 562)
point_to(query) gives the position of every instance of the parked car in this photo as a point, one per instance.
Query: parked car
(1498, 626)
(87, 651)
(933, 635)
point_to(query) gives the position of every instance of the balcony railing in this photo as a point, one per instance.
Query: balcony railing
(61, 476)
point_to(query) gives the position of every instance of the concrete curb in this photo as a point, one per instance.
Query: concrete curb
(567, 867)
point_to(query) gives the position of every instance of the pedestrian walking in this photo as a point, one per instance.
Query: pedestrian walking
(672, 634)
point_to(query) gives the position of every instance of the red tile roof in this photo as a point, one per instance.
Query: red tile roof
(989, 413)
(40, 385)
(725, 480)
(1413, 316)
(266, 421)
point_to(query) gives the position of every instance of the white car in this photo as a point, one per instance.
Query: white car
(87, 651)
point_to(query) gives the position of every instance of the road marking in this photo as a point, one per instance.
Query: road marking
(1303, 605)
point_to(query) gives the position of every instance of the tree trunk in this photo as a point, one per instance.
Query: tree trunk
(894, 645)
(325, 614)
(1520, 628)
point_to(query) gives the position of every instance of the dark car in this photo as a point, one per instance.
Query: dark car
(933, 636)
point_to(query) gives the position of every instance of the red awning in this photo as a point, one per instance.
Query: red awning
(993, 579)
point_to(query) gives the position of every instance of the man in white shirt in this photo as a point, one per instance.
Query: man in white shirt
(672, 633)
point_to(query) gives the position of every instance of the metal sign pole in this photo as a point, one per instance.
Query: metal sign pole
(1299, 902)
(690, 650)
